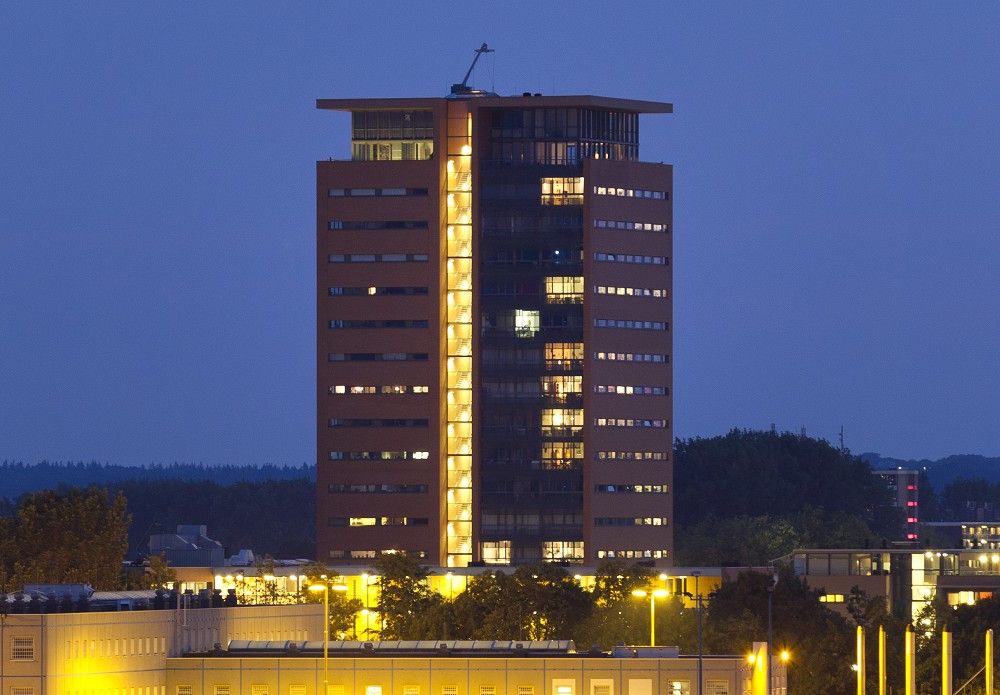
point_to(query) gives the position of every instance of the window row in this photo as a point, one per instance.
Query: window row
(631, 193)
(392, 150)
(629, 390)
(378, 258)
(377, 357)
(376, 291)
(378, 422)
(376, 521)
(371, 192)
(632, 226)
(562, 190)
(630, 422)
(630, 258)
(630, 521)
(371, 555)
(630, 488)
(629, 323)
(387, 323)
(391, 124)
(616, 291)
(379, 455)
(133, 646)
(631, 456)
(393, 389)
(656, 554)
(383, 489)
(377, 224)
(652, 357)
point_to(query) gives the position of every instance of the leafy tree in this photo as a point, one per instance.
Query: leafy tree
(617, 616)
(159, 573)
(343, 610)
(74, 537)
(820, 641)
(404, 596)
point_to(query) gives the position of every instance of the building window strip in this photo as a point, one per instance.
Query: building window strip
(653, 358)
(630, 488)
(634, 259)
(369, 225)
(377, 357)
(617, 291)
(375, 192)
(379, 455)
(378, 258)
(632, 456)
(376, 489)
(631, 390)
(369, 390)
(631, 193)
(632, 324)
(377, 422)
(630, 226)
(376, 291)
(386, 323)
(639, 423)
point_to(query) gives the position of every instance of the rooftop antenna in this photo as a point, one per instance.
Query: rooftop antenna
(462, 88)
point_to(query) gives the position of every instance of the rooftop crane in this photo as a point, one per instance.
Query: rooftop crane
(462, 88)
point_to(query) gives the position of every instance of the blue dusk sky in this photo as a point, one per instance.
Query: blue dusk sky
(837, 207)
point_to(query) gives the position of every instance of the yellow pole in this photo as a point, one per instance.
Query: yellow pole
(326, 638)
(881, 660)
(652, 619)
(861, 660)
(910, 649)
(946, 662)
(989, 662)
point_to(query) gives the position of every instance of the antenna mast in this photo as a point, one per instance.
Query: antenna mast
(462, 88)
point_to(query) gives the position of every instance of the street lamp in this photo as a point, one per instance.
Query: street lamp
(653, 595)
(770, 651)
(325, 588)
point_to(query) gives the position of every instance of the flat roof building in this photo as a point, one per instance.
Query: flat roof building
(494, 333)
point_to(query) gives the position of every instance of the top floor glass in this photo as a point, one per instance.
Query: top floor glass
(397, 134)
(562, 135)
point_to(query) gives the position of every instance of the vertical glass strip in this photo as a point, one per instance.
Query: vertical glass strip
(458, 337)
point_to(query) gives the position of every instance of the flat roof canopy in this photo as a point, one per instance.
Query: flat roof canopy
(522, 102)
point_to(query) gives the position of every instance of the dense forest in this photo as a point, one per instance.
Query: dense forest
(17, 477)
(743, 498)
(748, 497)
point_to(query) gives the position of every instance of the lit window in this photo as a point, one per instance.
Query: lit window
(561, 455)
(563, 355)
(564, 290)
(562, 190)
(563, 551)
(526, 323)
(362, 521)
(561, 388)
(496, 552)
(561, 421)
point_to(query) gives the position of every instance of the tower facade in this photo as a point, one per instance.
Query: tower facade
(494, 333)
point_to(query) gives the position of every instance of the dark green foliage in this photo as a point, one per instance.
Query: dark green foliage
(820, 641)
(78, 536)
(17, 477)
(273, 517)
(406, 602)
(749, 497)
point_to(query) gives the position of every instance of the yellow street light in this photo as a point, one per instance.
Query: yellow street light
(785, 656)
(653, 595)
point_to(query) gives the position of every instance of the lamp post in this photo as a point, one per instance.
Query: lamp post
(770, 650)
(653, 595)
(325, 588)
(697, 592)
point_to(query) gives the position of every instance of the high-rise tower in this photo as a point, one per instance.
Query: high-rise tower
(494, 333)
